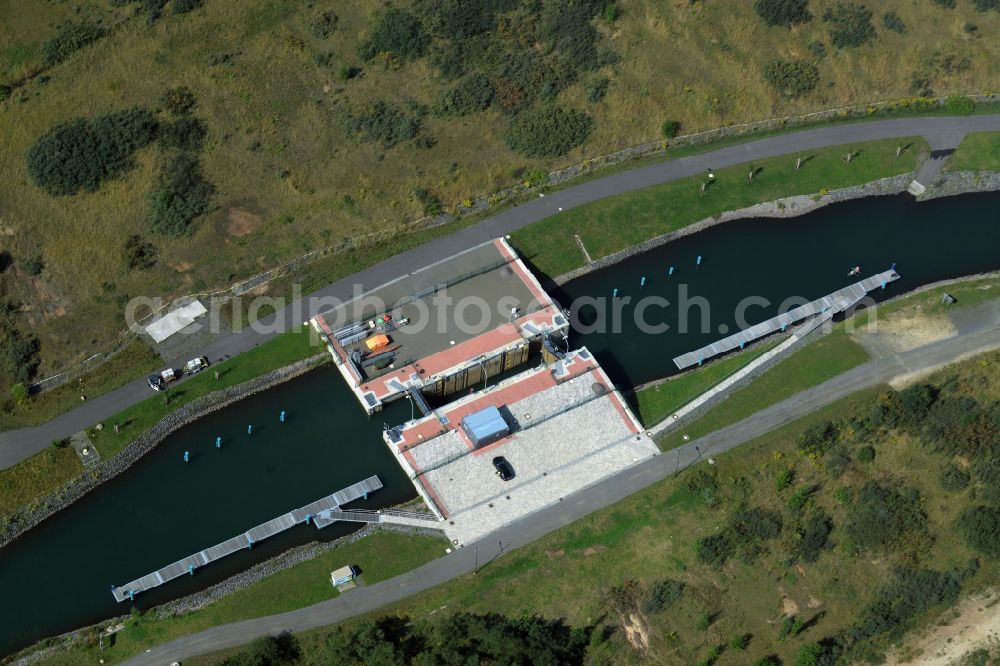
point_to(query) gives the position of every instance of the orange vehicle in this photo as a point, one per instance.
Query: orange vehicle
(377, 342)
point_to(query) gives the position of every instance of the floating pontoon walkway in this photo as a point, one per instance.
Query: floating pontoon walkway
(836, 302)
(329, 506)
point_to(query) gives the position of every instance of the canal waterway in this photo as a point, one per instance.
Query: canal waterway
(774, 259)
(58, 576)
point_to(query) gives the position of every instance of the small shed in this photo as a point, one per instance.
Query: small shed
(485, 426)
(343, 575)
(377, 342)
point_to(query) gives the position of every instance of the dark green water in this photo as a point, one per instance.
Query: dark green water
(59, 575)
(161, 510)
(807, 256)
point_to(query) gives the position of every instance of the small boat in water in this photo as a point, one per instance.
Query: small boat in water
(854, 271)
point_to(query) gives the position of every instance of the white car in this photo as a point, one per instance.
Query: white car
(196, 365)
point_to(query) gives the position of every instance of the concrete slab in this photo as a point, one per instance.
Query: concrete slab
(175, 321)
(85, 449)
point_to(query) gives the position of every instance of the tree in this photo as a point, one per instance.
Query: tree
(181, 194)
(809, 655)
(267, 651)
(784, 13)
(980, 527)
(178, 100)
(881, 515)
(138, 253)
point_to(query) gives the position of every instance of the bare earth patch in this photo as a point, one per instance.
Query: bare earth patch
(972, 624)
(903, 333)
(242, 222)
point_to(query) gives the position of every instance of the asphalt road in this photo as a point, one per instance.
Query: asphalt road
(941, 132)
(575, 506)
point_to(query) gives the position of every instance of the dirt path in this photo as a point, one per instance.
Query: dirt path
(972, 624)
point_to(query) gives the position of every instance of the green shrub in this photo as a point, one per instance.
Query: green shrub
(185, 6)
(138, 254)
(784, 13)
(980, 527)
(19, 393)
(661, 595)
(881, 515)
(267, 651)
(959, 105)
(571, 32)
(184, 134)
(987, 471)
(181, 194)
(791, 78)
(323, 24)
(81, 154)
(892, 21)
(61, 443)
(462, 19)
(704, 486)
(953, 478)
(715, 549)
(178, 100)
(153, 9)
(471, 94)
(596, 88)
(550, 131)
(69, 38)
(432, 205)
(739, 642)
(799, 498)
(850, 24)
(809, 654)
(866, 454)
(813, 537)
(986, 5)
(784, 479)
(18, 350)
(32, 265)
(396, 32)
(386, 123)
(947, 4)
(818, 438)
(670, 128)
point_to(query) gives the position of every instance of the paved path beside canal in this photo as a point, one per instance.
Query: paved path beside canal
(941, 133)
(605, 493)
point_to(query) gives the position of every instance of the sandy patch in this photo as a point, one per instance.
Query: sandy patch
(593, 550)
(180, 266)
(242, 222)
(972, 624)
(903, 332)
(789, 607)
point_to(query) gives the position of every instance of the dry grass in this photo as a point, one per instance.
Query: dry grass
(699, 63)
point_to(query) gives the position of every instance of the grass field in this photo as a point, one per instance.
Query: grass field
(654, 403)
(815, 363)
(289, 179)
(977, 152)
(45, 472)
(664, 208)
(380, 556)
(652, 534)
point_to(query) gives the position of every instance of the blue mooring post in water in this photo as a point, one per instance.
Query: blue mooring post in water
(783, 327)
(743, 344)
(250, 429)
(190, 569)
(700, 360)
(131, 595)
(366, 494)
(893, 267)
(642, 282)
(671, 271)
(187, 456)
(698, 261)
(883, 285)
(282, 416)
(249, 542)
(309, 517)
(614, 293)
(218, 442)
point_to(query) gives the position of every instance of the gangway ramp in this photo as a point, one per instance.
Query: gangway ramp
(330, 504)
(826, 306)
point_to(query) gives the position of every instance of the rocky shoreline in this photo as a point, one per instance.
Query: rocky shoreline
(951, 183)
(23, 521)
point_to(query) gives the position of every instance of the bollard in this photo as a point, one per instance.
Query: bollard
(671, 271)
(218, 442)
(250, 429)
(614, 293)
(783, 327)
(131, 595)
(893, 267)
(187, 456)
(700, 360)
(366, 494)
(642, 282)
(883, 285)
(190, 569)
(282, 417)
(249, 542)
(308, 518)
(743, 344)
(698, 261)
